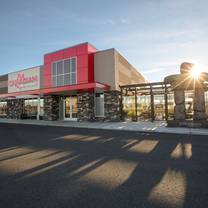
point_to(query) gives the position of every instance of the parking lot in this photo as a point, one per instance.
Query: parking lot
(44, 166)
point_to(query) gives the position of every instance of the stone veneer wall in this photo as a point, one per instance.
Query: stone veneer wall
(112, 106)
(51, 108)
(15, 108)
(86, 107)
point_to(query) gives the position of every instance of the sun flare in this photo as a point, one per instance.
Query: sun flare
(195, 72)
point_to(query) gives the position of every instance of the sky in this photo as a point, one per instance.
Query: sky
(156, 36)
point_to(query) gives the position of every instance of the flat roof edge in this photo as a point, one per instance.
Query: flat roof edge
(25, 69)
(21, 70)
(79, 44)
(105, 50)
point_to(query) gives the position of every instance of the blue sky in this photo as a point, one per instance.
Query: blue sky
(154, 35)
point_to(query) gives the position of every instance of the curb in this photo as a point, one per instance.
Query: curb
(187, 131)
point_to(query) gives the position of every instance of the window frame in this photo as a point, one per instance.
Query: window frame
(99, 116)
(54, 77)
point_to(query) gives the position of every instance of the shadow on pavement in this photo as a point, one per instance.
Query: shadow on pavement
(64, 167)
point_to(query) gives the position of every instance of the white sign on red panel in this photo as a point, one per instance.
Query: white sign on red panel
(25, 80)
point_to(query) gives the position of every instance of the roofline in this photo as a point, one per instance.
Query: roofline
(134, 67)
(117, 51)
(79, 44)
(22, 70)
(105, 50)
(1, 75)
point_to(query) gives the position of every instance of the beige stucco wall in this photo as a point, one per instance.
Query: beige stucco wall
(104, 67)
(126, 73)
(113, 69)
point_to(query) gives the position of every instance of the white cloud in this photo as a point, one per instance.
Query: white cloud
(125, 21)
(109, 22)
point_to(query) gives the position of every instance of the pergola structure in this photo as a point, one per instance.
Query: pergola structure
(152, 89)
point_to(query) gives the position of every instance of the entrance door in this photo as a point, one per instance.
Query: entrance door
(70, 108)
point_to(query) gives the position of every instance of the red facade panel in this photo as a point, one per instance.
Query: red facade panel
(82, 49)
(91, 48)
(58, 55)
(70, 52)
(85, 62)
(91, 67)
(91, 51)
(82, 75)
(47, 69)
(47, 58)
(47, 75)
(82, 60)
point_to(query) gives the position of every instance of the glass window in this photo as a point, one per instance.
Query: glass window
(59, 67)
(159, 107)
(73, 78)
(129, 107)
(54, 69)
(99, 105)
(143, 107)
(3, 108)
(60, 80)
(31, 107)
(64, 72)
(41, 107)
(171, 106)
(67, 66)
(206, 103)
(73, 65)
(67, 79)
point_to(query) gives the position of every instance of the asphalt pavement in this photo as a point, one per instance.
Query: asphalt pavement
(43, 166)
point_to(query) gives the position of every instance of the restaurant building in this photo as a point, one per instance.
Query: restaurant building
(76, 83)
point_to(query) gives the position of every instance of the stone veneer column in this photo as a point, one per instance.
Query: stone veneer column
(15, 108)
(85, 106)
(51, 108)
(112, 106)
(199, 105)
(179, 111)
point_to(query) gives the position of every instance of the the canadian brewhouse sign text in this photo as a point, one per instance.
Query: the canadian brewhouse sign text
(24, 80)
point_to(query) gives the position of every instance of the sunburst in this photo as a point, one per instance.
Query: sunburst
(195, 72)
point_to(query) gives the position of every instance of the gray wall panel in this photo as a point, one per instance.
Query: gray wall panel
(4, 84)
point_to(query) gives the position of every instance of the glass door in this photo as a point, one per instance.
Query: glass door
(67, 114)
(70, 106)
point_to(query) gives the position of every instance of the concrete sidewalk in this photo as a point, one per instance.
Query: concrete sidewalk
(157, 126)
